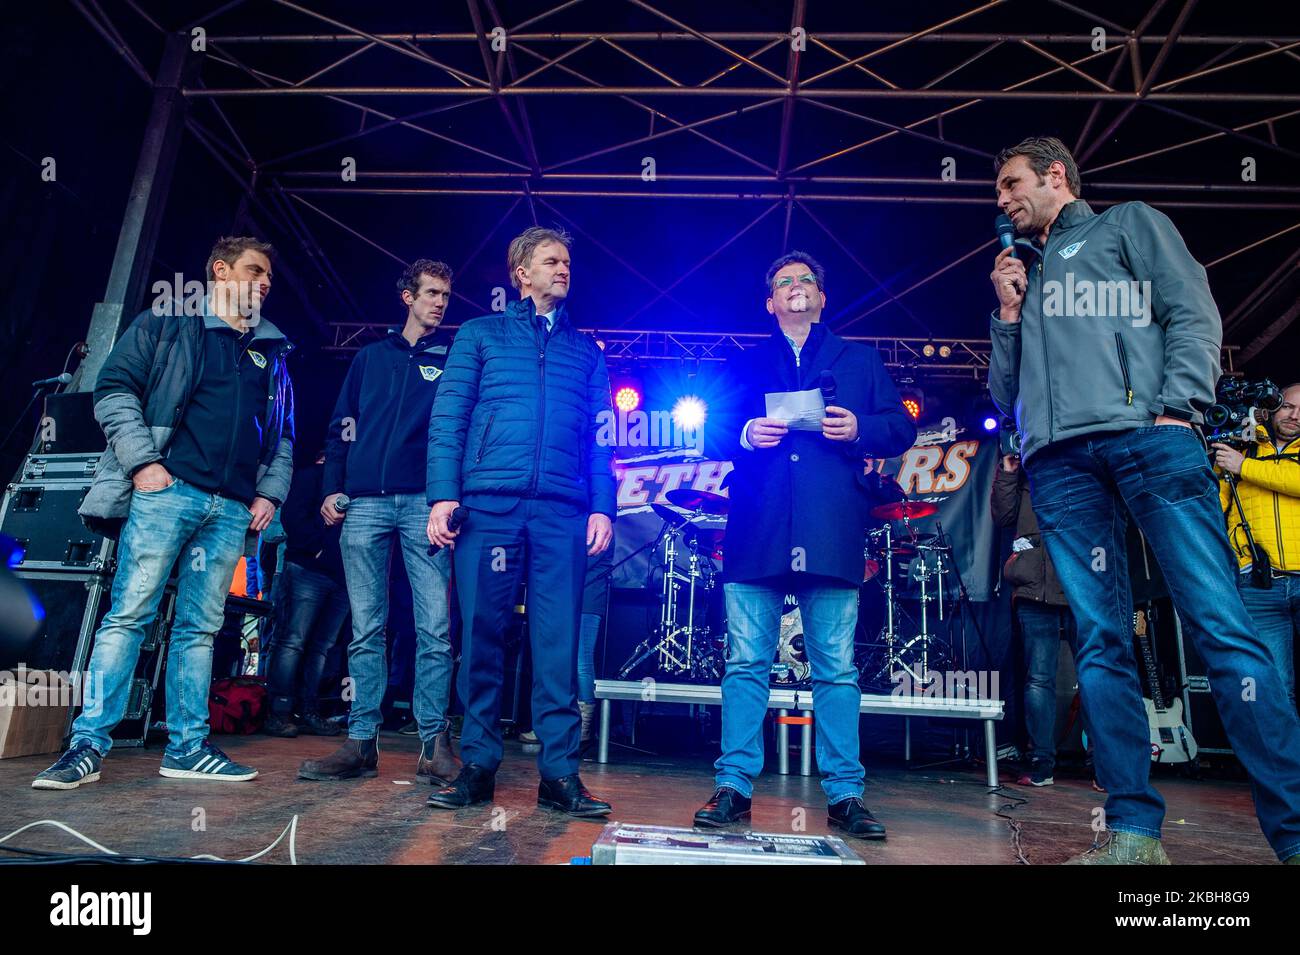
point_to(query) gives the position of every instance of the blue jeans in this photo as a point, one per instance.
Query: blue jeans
(587, 637)
(207, 532)
(1084, 490)
(829, 615)
(310, 614)
(1276, 613)
(370, 528)
(1041, 628)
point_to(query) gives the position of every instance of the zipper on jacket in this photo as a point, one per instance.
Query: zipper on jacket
(1047, 374)
(541, 407)
(483, 441)
(404, 378)
(1123, 367)
(234, 430)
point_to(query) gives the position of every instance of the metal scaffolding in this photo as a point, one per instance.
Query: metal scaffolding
(897, 88)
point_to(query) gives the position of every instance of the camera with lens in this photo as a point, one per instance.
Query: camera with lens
(1232, 418)
(1008, 438)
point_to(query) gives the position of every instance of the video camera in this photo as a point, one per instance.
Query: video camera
(1008, 438)
(1232, 418)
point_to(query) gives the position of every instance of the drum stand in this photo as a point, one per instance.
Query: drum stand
(675, 642)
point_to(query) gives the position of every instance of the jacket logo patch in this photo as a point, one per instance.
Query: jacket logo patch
(430, 372)
(258, 359)
(1070, 250)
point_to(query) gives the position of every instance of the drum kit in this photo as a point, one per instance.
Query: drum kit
(687, 553)
(910, 569)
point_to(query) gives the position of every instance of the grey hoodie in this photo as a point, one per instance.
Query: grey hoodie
(1117, 326)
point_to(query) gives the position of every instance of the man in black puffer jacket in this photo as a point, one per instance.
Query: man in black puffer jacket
(512, 438)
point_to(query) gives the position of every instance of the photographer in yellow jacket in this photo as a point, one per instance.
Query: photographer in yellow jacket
(1268, 485)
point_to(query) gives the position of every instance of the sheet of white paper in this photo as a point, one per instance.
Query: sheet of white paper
(800, 410)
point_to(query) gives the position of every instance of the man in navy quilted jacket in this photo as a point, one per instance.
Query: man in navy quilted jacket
(512, 440)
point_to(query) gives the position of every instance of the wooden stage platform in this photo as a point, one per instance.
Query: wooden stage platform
(935, 816)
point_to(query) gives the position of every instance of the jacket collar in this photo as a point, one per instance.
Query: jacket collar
(1073, 214)
(524, 309)
(424, 343)
(264, 329)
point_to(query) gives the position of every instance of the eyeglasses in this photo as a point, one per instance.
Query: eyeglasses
(805, 280)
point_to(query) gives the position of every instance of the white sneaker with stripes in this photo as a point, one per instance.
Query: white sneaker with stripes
(208, 763)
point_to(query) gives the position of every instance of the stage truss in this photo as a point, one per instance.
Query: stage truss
(354, 68)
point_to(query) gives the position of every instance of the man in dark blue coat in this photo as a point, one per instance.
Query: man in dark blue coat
(512, 439)
(799, 510)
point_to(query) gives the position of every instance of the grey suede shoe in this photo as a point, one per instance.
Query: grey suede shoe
(1123, 848)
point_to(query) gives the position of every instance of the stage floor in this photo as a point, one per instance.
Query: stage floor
(935, 816)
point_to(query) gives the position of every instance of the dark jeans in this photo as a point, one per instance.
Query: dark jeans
(1041, 628)
(547, 541)
(311, 613)
(1084, 490)
(1276, 613)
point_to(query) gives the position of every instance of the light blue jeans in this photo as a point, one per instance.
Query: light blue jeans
(369, 531)
(829, 615)
(207, 532)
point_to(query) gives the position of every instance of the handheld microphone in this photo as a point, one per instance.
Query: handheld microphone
(342, 502)
(55, 382)
(453, 524)
(829, 395)
(1007, 239)
(1006, 233)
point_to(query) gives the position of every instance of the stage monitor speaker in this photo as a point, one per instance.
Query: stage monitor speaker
(69, 425)
(40, 512)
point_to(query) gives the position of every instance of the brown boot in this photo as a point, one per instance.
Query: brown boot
(440, 766)
(355, 758)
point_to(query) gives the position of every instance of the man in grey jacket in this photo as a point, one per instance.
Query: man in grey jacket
(1106, 348)
(197, 408)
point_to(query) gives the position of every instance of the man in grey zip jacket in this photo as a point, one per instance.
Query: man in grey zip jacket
(1105, 349)
(197, 408)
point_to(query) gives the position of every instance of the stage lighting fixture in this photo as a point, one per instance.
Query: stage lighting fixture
(945, 351)
(928, 349)
(689, 413)
(990, 423)
(627, 399)
(913, 401)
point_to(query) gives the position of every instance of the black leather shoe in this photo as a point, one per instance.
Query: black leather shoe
(472, 785)
(855, 819)
(567, 794)
(723, 808)
(281, 726)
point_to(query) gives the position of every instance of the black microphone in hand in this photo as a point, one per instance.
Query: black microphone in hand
(453, 524)
(829, 396)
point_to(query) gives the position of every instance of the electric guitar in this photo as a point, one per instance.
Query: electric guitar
(1171, 740)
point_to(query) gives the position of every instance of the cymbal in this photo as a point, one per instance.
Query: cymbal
(709, 537)
(883, 487)
(669, 516)
(904, 510)
(694, 500)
